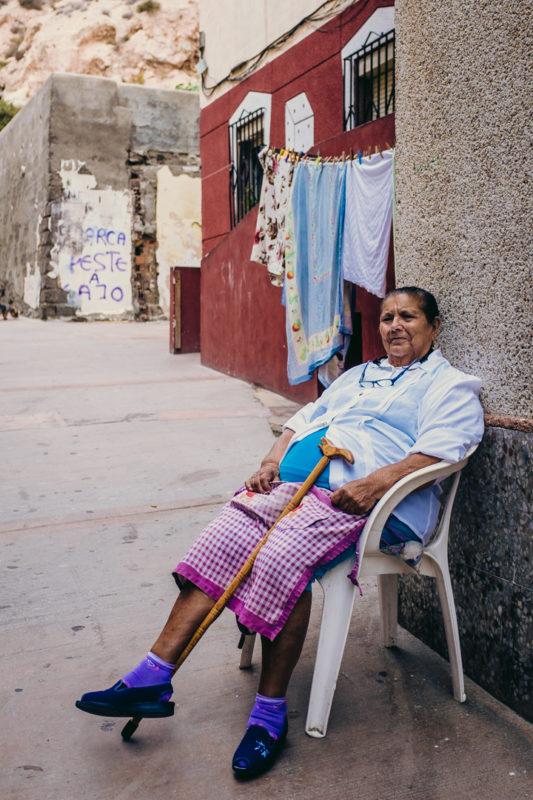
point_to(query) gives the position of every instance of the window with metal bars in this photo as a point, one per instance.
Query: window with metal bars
(369, 82)
(246, 139)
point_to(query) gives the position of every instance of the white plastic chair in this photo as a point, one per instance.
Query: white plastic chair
(339, 593)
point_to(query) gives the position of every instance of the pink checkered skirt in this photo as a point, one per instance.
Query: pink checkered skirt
(304, 540)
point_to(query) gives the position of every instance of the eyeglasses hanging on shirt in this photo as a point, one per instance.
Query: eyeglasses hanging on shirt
(367, 383)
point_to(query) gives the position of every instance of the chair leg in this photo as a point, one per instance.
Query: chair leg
(339, 594)
(451, 628)
(247, 651)
(388, 601)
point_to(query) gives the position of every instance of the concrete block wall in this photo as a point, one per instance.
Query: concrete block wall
(24, 158)
(463, 231)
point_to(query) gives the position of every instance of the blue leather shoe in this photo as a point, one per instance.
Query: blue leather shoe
(257, 751)
(120, 701)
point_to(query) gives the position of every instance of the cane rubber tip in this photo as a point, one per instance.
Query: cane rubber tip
(129, 729)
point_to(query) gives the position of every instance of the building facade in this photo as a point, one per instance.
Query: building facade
(291, 91)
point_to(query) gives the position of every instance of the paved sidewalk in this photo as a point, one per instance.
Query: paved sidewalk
(115, 455)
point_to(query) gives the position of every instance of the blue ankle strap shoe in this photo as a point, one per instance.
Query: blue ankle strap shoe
(257, 751)
(121, 701)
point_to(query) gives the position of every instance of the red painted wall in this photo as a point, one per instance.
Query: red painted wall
(242, 319)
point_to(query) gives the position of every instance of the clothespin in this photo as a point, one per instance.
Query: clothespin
(343, 157)
(359, 156)
(351, 153)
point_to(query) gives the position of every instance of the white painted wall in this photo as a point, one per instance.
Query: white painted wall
(299, 123)
(236, 30)
(381, 21)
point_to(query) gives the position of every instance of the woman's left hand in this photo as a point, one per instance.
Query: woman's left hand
(356, 497)
(360, 497)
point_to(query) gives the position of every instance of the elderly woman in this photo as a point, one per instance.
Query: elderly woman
(395, 414)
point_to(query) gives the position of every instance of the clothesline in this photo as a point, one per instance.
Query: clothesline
(289, 154)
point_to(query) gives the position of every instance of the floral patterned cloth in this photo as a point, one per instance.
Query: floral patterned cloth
(269, 241)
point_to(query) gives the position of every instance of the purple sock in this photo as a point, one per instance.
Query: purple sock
(270, 712)
(151, 671)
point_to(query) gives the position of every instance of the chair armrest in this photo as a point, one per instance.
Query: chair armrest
(369, 539)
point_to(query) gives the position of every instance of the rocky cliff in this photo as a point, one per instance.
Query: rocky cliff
(134, 41)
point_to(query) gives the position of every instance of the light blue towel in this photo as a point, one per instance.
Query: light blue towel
(313, 280)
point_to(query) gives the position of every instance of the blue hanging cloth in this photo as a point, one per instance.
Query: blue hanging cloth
(313, 280)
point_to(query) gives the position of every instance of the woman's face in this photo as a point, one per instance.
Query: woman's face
(405, 331)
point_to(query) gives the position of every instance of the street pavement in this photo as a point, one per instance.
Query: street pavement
(115, 455)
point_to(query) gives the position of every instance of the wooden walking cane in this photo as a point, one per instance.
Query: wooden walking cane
(329, 451)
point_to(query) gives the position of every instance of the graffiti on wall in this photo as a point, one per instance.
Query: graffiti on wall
(91, 255)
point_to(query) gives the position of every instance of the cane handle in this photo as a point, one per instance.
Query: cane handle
(330, 451)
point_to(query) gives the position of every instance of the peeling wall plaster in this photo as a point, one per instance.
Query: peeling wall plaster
(32, 279)
(92, 250)
(179, 234)
(32, 286)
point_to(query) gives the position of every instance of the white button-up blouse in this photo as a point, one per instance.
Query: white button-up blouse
(433, 408)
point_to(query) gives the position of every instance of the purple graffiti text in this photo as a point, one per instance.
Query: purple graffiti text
(105, 236)
(97, 262)
(115, 294)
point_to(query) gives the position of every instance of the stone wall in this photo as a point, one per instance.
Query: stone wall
(491, 567)
(104, 145)
(24, 190)
(463, 231)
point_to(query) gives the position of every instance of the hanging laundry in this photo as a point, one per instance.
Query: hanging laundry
(313, 283)
(367, 221)
(269, 241)
(331, 370)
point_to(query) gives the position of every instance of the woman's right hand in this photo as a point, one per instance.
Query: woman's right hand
(262, 478)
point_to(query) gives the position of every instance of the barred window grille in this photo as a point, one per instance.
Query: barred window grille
(246, 139)
(369, 82)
